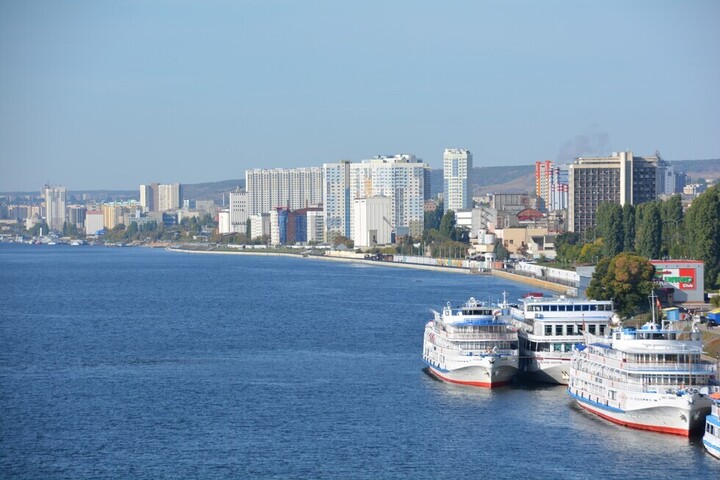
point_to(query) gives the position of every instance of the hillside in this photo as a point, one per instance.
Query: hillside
(211, 190)
(698, 170)
(510, 179)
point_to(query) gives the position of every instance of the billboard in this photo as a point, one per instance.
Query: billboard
(680, 278)
(685, 276)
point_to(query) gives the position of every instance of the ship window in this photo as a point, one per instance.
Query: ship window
(553, 308)
(561, 308)
(548, 329)
(586, 308)
(602, 329)
(591, 329)
(558, 329)
(571, 329)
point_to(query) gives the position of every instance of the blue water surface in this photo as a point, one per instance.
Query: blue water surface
(141, 363)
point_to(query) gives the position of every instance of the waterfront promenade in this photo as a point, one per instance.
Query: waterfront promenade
(506, 274)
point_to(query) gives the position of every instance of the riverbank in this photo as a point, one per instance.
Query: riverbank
(377, 263)
(536, 282)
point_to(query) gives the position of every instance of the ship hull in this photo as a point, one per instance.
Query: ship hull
(547, 370)
(711, 439)
(712, 445)
(477, 376)
(680, 419)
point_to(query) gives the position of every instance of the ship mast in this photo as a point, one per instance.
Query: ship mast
(653, 304)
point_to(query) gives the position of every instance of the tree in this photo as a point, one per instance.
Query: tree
(433, 218)
(132, 229)
(69, 230)
(592, 252)
(715, 301)
(648, 230)
(501, 253)
(449, 249)
(626, 279)
(671, 215)
(567, 245)
(628, 220)
(610, 228)
(447, 225)
(39, 227)
(702, 233)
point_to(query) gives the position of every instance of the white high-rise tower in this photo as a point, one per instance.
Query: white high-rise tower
(457, 165)
(54, 206)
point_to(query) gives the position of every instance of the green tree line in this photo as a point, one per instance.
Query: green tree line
(653, 230)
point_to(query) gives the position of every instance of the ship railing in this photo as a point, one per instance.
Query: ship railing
(699, 368)
(691, 368)
(634, 387)
(488, 353)
(482, 336)
(555, 339)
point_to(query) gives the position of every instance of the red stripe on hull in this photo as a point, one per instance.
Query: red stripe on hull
(461, 382)
(655, 428)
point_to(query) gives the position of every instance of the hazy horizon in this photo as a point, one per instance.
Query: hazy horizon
(111, 95)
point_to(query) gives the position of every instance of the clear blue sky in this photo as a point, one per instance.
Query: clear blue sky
(112, 94)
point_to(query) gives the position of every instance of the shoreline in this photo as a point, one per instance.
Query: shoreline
(534, 282)
(376, 263)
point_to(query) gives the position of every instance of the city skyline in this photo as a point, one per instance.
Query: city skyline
(110, 96)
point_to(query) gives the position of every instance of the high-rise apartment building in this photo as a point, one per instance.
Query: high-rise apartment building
(155, 197)
(457, 165)
(149, 197)
(94, 222)
(559, 188)
(620, 178)
(551, 186)
(76, 215)
(400, 177)
(283, 187)
(315, 225)
(543, 171)
(336, 199)
(169, 197)
(54, 206)
(259, 225)
(238, 211)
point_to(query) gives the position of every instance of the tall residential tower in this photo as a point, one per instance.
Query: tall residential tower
(283, 187)
(457, 165)
(54, 206)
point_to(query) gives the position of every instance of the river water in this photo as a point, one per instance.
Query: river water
(140, 363)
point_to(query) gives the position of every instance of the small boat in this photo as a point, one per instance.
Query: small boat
(711, 438)
(472, 345)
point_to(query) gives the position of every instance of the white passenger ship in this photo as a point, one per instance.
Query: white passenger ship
(651, 378)
(548, 329)
(711, 438)
(472, 345)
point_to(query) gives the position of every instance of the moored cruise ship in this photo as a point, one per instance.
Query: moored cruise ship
(471, 345)
(651, 378)
(711, 438)
(549, 328)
